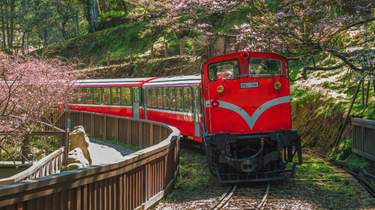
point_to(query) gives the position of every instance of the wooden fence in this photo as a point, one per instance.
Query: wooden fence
(136, 182)
(364, 138)
(48, 165)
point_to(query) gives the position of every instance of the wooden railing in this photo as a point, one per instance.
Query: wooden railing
(136, 182)
(364, 138)
(48, 165)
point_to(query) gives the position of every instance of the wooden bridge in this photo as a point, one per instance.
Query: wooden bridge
(137, 182)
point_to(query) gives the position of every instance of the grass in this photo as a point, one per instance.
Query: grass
(194, 176)
(325, 177)
(356, 162)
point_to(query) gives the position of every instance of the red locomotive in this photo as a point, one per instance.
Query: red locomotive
(238, 108)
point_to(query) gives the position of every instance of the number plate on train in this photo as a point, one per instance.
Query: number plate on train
(249, 85)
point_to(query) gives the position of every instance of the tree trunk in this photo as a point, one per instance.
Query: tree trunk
(45, 37)
(25, 149)
(94, 15)
(76, 22)
(4, 41)
(11, 24)
(182, 47)
(193, 48)
(152, 50)
(165, 48)
(23, 43)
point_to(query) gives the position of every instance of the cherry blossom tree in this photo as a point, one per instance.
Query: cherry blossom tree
(29, 89)
(307, 30)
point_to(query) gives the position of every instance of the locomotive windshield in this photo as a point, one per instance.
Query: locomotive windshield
(265, 67)
(224, 70)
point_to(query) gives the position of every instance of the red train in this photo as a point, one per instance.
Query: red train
(238, 108)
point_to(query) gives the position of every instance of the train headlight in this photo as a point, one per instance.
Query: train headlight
(220, 89)
(277, 85)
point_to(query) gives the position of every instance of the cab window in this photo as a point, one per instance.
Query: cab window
(224, 70)
(265, 67)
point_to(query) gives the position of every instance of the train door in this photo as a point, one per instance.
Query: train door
(136, 102)
(197, 113)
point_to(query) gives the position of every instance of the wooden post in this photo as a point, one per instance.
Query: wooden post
(66, 146)
(105, 127)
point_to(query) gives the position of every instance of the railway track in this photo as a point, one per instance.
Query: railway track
(228, 194)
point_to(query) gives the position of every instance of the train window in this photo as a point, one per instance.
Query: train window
(146, 97)
(106, 96)
(224, 70)
(126, 96)
(188, 103)
(153, 99)
(265, 67)
(180, 99)
(95, 96)
(159, 98)
(172, 99)
(116, 95)
(149, 97)
(164, 98)
(81, 95)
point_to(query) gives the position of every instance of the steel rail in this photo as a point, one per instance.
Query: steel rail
(264, 199)
(224, 198)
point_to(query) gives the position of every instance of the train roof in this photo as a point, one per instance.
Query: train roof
(112, 82)
(175, 81)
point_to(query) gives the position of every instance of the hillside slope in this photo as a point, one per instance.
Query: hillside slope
(104, 47)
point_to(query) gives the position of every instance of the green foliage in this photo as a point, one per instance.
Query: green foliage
(112, 44)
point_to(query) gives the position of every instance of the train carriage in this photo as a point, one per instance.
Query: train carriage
(238, 109)
(121, 97)
(175, 101)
